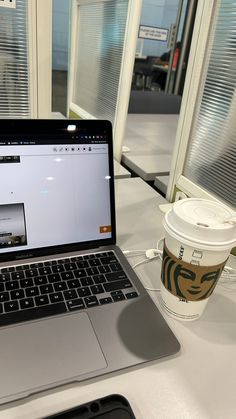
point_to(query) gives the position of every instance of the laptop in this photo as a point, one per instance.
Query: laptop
(71, 307)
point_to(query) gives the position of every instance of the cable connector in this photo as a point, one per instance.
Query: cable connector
(153, 253)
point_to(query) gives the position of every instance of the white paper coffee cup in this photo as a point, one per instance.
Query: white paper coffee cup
(198, 241)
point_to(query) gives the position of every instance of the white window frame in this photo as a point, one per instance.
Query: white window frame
(40, 57)
(130, 40)
(195, 73)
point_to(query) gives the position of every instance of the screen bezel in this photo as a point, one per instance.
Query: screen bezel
(39, 129)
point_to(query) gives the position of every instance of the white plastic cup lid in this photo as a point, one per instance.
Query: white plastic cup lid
(202, 221)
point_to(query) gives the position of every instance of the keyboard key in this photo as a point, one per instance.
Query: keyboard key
(40, 280)
(49, 263)
(131, 295)
(104, 269)
(102, 255)
(94, 262)
(32, 292)
(8, 269)
(11, 306)
(45, 271)
(58, 268)
(67, 275)
(118, 297)
(92, 271)
(106, 300)
(99, 279)
(17, 294)
(29, 273)
(74, 283)
(91, 301)
(1, 308)
(108, 260)
(76, 258)
(26, 283)
(32, 313)
(46, 289)
(70, 266)
(19, 268)
(26, 303)
(70, 295)
(79, 273)
(54, 278)
(115, 276)
(97, 289)
(63, 261)
(42, 300)
(115, 267)
(84, 292)
(82, 264)
(12, 285)
(76, 304)
(114, 293)
(56, 297)
(4, 296)
(2, 288)
(117, 285)
(17, 275)
(60, 286)
(5, 277)
(36, 265)
(86, 281)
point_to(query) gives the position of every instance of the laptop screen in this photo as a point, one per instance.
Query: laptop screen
(55, 183)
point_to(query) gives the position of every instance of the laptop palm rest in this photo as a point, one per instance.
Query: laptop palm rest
(49, 347)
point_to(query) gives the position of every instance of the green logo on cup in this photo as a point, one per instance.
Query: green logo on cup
(188, 281)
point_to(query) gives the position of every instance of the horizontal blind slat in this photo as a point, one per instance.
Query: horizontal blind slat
(14, 72)
(99, 55)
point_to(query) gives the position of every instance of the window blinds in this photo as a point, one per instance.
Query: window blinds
(211, 155)
(14, 78)
(99, 55)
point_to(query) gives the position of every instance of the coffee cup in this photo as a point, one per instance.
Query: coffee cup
(199, 236)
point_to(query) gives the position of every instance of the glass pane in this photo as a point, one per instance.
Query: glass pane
(159, 45)
(211, 156)
(14, 77)
(99, 56)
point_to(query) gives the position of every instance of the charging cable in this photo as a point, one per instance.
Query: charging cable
(150, 254)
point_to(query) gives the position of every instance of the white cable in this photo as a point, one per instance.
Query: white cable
(145, 261)
(152, 289)
(133, 252)
(140, 263)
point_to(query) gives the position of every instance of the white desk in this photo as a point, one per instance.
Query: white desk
(120, 172)
(198, 383)
(150, 139)
(161, 183)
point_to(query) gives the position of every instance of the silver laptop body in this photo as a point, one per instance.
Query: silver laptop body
(71, 307)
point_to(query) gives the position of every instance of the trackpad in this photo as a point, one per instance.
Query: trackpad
(48, 352)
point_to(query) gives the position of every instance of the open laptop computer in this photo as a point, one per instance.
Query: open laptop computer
(71, 307)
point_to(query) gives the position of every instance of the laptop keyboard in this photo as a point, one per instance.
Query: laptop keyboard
(33, 291)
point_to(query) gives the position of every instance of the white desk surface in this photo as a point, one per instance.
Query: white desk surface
(199, 382)
(161, 182)
(120, 172)
(150, 139)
